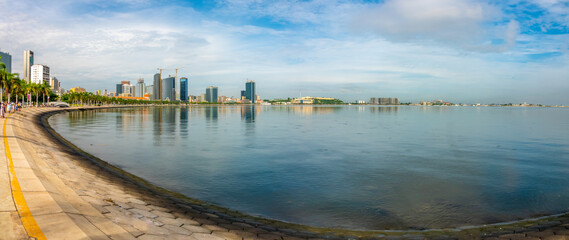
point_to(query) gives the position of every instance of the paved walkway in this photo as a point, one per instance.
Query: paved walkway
(48, 191)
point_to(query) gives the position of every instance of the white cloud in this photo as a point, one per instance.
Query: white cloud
(461, 23)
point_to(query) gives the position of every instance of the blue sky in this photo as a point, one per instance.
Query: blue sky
(463, 51)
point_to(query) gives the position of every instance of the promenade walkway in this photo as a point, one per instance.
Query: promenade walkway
(50, 191)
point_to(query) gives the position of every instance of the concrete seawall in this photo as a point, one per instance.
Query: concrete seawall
(49, 189)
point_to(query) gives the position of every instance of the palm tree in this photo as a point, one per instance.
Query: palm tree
(3, 74)
(36, 90)
(45, 89)
(16, 88)
(9, 80)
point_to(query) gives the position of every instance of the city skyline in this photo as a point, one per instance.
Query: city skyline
(463, 51)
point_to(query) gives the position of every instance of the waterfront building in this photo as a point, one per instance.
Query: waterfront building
(118, 89)
(384, 101)
(40, 74)
(184, 89)
(150, 91)
(126, 89)
(54, 84)
(211, 94)
(250, 91)
(140, 88)
(242, 94)
(157, 91)
(169, 88)
(28, 63)
(7, 60)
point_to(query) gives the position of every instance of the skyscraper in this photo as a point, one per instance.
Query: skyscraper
(140, 88)
(28, 63)
(211, 94)
(184, 89)
(54, 84)
(39, 74)
(119, 89)
(7, 60)
(157, 91)
(250, 91)
(169, 88)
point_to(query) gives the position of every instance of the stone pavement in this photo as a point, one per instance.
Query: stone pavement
(73, 196)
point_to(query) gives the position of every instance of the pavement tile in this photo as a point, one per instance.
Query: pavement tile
(227, 235)
(88, 228)
(140, 206)
(135, 200)
(215, 228)
(131, 230)
(244, 225)
(246, 235)
(66, 204)
(41, 203)
(204, 236)
(543, 234)
(269, 236)
(110, 229)
(187, 221)
(162, 214)
(177, 229)
(24, 172)
(159, 208)
(142, 213)
(169, 221)
(59, 226)
(196, 229)
(204, 221)
(231, 226)
(31, 185)
(11, 227)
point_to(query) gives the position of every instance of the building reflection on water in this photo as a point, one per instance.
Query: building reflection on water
(388, 109)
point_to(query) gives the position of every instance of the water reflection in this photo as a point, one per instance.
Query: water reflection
(352, 167)
(380, 109)
(248, 114)
(211, 113)
(184, 132)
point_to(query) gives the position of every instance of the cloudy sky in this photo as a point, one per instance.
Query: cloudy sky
(463, 51)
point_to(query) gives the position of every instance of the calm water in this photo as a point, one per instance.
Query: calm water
(344, 166)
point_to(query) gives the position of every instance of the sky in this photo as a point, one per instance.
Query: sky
(462, 51)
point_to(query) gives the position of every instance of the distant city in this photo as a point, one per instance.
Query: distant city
(175, 89)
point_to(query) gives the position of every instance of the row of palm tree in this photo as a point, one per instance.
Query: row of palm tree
(13, 87)
(90, 99)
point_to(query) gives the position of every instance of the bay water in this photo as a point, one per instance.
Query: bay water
(357, 167)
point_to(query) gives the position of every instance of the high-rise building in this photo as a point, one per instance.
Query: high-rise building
(157, 91)
(250, 91)
(40, 74)
(54, 84)
(384, 101)
(169, 88)
(149, 90)
(211, 94)
(7, 60)
(140, 88)
(243, 94)
(28, 63)
(126, 89)
(119, 89)
(184, 89)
